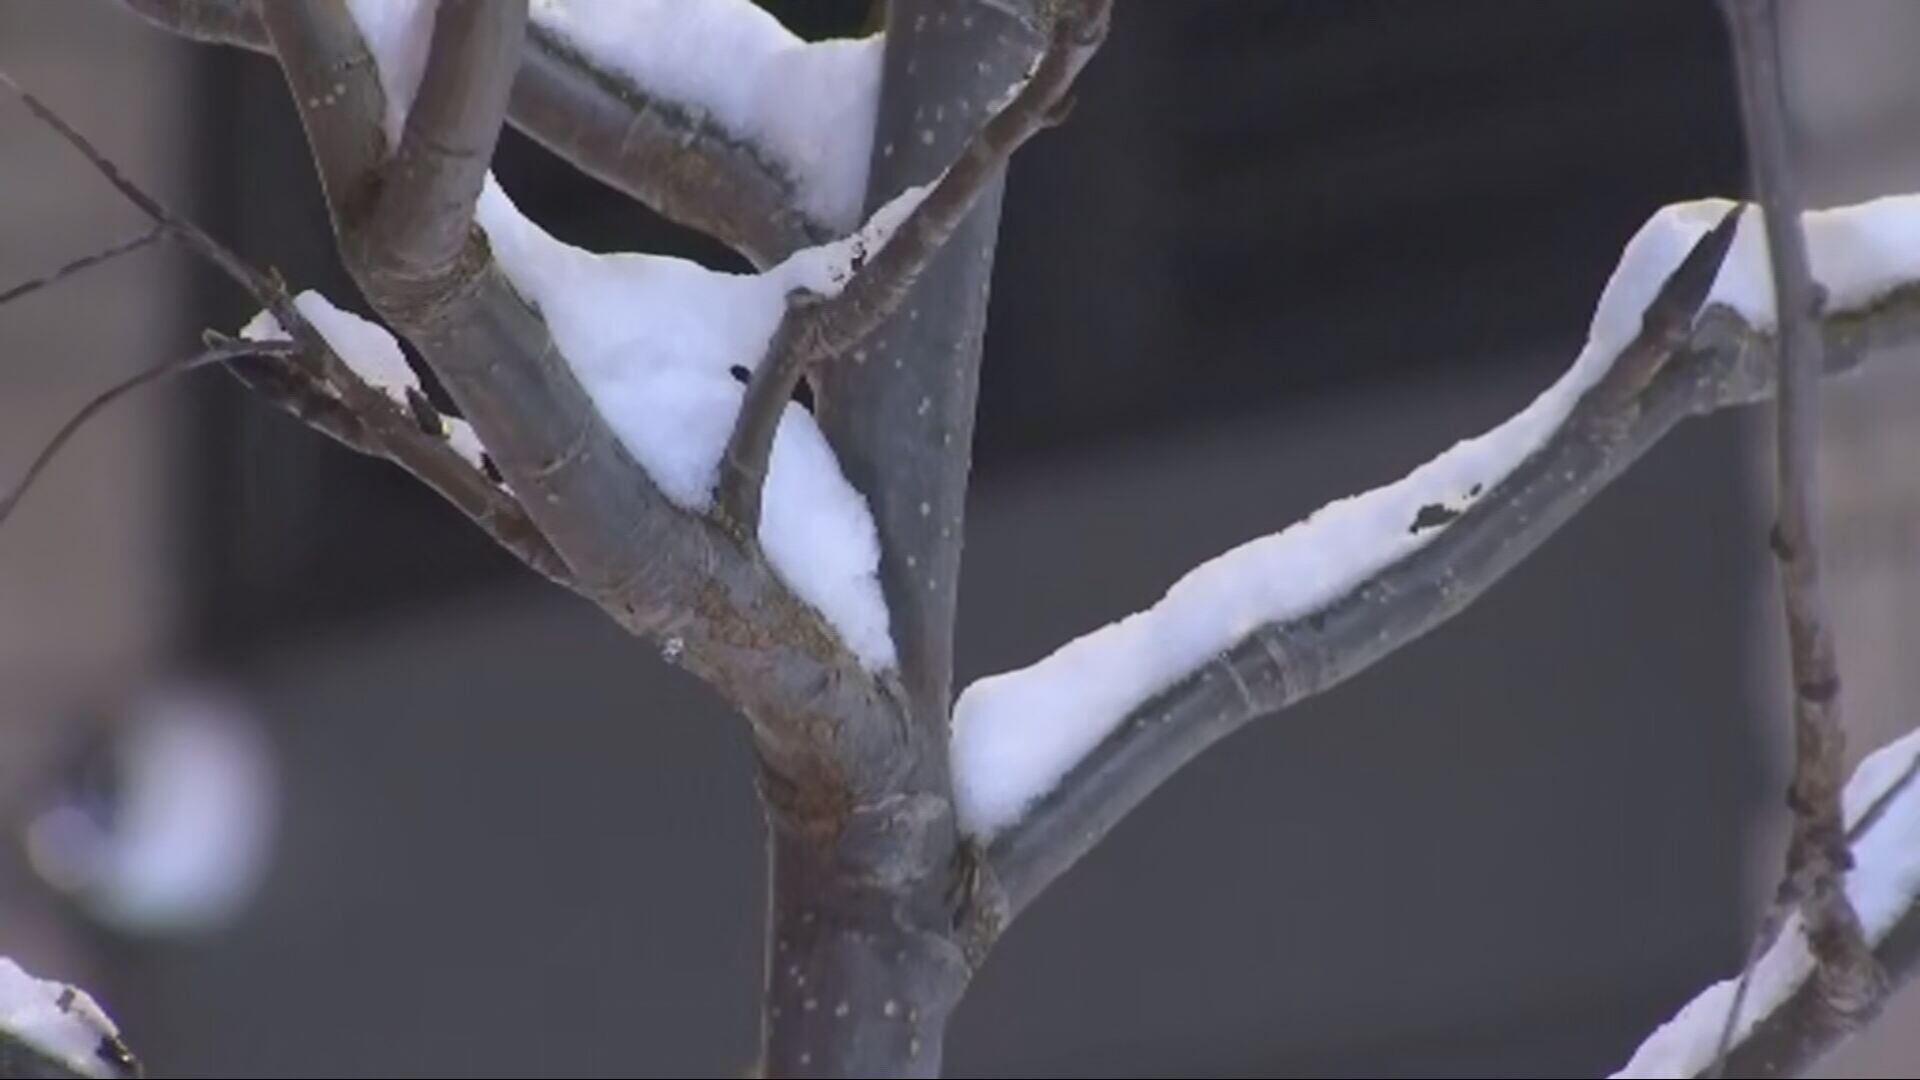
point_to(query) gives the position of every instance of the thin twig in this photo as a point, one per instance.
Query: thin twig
(263, 288)
(1817, 855)
(320, 389)
(216, 352)
(84, 262)
(816, 328)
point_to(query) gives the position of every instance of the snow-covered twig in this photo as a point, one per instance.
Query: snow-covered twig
(1786, 1023)
(708, 111)
(1849, 980)
(823, 328)
(1049, 758)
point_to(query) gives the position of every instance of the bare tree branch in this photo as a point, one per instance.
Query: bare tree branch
(216, 352)
(1725, 362)
(85, 262)
(215, 22)
(668, 155)
(1817, 855)
(320, 389)
(816, 329)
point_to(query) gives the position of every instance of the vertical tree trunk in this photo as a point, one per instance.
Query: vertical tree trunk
(863, 968)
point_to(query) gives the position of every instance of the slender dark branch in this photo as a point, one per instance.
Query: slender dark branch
(668, 155)
(216, 22)
(1724, 362)
(85, 262)
(197, 241)
(1817, 856)
(214, 353)
(817, 329)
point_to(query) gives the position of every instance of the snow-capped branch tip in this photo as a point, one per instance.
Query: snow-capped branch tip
(314, 384)
(1782, 1023)
(52, 1029)
(817, 328)
(1817, 855)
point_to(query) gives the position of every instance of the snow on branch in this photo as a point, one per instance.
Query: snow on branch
(806, 107)
(49, 1028)
(1090, 731)
(821, 325)
(1781, 1026)
(662, 346)
(709, 111)
(373, 355)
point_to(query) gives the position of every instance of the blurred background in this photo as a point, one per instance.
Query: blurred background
(303, 778)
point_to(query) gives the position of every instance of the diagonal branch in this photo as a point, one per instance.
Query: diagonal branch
(1665, 374)
(1817, 855)
(84, 262)
(216, 352)
(820, 328)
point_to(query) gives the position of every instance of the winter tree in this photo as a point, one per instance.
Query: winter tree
(628, 428)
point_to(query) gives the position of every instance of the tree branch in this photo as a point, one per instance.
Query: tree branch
(85, 262)
(215, 22)
(1656, 383)
(1790, 1024)
(668, 155)
(419, 224)
(1817, 856)
(819, 328)
(216, 352)
(318, 388)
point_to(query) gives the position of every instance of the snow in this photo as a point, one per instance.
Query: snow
(1883, 885)
(656, 341)
(1016, 734)
(808, 108)
(58, 1020)
(371, 352)
(366, 347)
